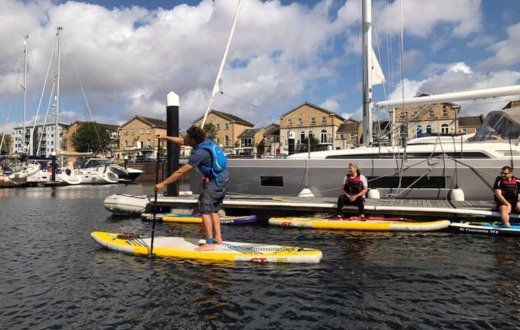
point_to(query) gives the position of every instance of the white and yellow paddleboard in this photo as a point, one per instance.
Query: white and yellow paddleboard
(184, 248)
(370, 225)
(197, 218)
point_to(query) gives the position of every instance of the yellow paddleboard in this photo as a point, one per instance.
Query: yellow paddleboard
(184, 248)
(195, 218)
(370, 225)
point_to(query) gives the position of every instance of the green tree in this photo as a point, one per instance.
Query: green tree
(211, 130)
(6, 146)
(91, 137)
(305, 143)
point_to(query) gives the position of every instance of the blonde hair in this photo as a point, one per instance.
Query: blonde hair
(356, 166)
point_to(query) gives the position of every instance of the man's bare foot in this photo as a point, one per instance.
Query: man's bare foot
(507, 224)
(206, 247)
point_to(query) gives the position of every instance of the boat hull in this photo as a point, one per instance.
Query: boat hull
(434, 179)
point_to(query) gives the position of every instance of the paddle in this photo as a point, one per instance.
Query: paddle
(155, 197)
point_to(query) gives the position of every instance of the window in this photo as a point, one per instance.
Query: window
(141, 131)
(148, 130)
(419, 131)
(289, 121)
(311, 135)
(302, 136)
(323, 136)
(445, 129)
(226, 126)
(323, 120)
(445, 112)
(431, 114)
(247, 142)
(300, 122)
(429, 129)
(313, 121)
(352, 136)
(402, 115)
(226, 141)
(217, 126)
(415, 114)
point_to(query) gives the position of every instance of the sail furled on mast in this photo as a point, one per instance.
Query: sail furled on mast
(378, 78)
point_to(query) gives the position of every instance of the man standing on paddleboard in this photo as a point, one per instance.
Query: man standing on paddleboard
(211, 162)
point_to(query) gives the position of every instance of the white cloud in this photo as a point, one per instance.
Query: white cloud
(507, 52)
(420, 18)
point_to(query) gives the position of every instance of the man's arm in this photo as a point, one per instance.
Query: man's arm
(500, 197)
(175, 139)
(174, 177)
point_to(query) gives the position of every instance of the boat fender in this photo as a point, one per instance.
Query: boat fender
(374, 194)
(457, 195)
(306, 192)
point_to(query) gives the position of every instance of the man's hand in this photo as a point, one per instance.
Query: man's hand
(159, 186)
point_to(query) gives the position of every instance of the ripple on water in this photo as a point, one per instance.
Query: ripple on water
(55, 276)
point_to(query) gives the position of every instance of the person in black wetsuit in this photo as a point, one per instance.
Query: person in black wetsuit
(506, 188)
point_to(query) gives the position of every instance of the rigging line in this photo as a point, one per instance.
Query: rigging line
(46, 116)
(45, 85)
(216, 86)
(240, 100)
(88, 106)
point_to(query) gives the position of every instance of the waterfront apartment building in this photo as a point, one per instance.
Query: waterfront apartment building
(40, 140)
(138, 138)
(228, 128)
(305, 121)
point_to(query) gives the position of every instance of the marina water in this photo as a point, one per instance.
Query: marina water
(54, 276)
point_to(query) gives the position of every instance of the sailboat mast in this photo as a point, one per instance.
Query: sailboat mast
(216, 86)
(58, 74)
(367, 67)
(25, 46)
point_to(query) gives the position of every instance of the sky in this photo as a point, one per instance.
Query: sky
(121, 58)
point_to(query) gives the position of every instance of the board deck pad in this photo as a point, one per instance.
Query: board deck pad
(184, 248)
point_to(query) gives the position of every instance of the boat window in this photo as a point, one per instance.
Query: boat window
(497, 126)
(271, 181)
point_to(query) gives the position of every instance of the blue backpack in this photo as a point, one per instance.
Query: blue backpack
(218, 158)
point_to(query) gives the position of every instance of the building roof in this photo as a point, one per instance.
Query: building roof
(348, 127)
(471, 121)
(272, 129)
(107, 126)
(315, 107)
(228, 117)
(153, 122)
(249, 133)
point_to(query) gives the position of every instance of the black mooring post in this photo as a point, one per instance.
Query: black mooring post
(172, 129)
(54, 167)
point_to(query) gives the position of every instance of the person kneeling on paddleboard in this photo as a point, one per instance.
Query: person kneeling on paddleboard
(354, 188)
(211, 161)
(506, 190)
